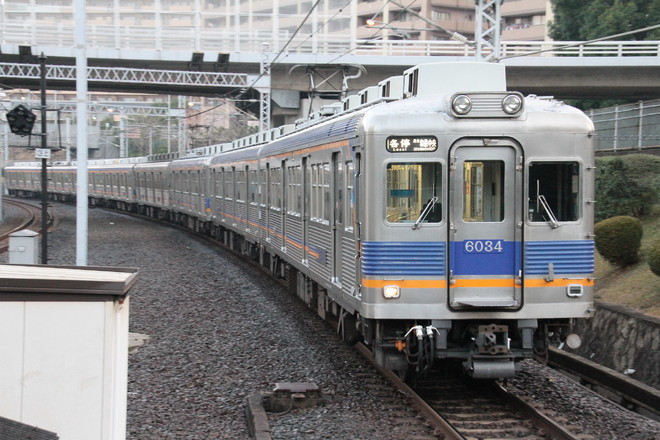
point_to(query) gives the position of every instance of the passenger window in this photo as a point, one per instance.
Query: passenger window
(411, 187)
(483, 191)
(350, 202)
(553, 191)
(276, 188)
(240, 185)
(254, 186)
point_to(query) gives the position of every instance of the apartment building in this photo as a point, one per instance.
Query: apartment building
(526, 20)
(113, 21)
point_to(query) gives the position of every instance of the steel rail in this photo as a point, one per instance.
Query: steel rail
(434, 419)
(627, 388)
(554, 430)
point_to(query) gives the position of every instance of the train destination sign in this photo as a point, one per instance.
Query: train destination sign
(411, 144)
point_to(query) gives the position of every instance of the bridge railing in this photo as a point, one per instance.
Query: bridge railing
(215, 40)
(633, 126)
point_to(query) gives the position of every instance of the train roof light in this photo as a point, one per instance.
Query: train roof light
(461, 104)
(512, 104)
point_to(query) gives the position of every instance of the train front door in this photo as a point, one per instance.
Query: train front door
(485, 225)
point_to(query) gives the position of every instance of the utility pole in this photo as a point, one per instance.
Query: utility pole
(44, 162)
(81, 134)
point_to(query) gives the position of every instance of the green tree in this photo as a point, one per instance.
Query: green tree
(567, 19)
(589, 19)
(582, 20)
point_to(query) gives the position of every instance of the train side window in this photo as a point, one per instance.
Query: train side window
(240, 184)
(483, 191)
(276, 188)
(557, 186)
(229, 183)
(326, 193)
(350, 202)
(320, 193)
(263, 187)
(219, 182)
(314, 193)
(294, 188)
(411, 187)
(254, 186)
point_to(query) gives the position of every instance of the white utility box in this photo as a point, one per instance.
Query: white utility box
(24, 247)
(64, 349)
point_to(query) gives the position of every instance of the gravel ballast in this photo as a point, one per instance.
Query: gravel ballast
(221, 330)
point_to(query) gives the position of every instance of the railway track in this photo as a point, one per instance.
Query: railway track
(27, 216)
(455, 407)
(629, 393)
(463, 409)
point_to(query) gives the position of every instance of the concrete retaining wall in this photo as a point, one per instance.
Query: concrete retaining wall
(622, 338)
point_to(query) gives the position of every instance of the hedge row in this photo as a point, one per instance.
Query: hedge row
(618, 239)
(627, 185)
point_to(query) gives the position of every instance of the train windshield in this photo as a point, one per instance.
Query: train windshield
(555, 185)
(410, 188)
(483, 187)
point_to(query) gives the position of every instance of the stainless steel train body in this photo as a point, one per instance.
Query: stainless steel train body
(453, 223)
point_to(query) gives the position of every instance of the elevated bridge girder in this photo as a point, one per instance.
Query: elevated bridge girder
(159, 81)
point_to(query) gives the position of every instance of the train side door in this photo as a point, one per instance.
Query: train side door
(337, 215)
(485, 214)
(304, 215)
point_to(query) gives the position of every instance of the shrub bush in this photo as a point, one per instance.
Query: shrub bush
(618, 239)
(626, 185)
(654, 258)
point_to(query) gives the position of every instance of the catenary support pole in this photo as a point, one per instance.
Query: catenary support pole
(81, 134)
(44, 162)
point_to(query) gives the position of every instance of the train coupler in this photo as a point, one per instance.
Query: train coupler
(493, 339)
(490, 367)
(493, 358)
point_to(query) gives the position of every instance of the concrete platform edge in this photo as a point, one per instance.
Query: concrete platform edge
(256, 418)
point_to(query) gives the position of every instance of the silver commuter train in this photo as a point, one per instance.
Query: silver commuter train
(437, 216)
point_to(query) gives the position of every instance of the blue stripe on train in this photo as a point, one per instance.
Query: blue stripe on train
(567, 257)
(504, 261)
(429, 258)
(404, 258)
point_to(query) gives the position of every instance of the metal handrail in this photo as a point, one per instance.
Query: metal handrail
(189, 38)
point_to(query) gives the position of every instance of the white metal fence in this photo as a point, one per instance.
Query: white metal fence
(224, 41)
(629, 126)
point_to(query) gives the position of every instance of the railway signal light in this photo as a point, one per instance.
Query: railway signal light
(21, 120)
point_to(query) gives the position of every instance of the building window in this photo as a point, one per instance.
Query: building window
(440, 15)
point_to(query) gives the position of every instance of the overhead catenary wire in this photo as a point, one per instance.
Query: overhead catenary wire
(584, 43)
(261, 74)
(375, 34)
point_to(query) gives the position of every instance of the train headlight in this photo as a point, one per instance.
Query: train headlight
(511, 104)
(391, 292)
(461, 104)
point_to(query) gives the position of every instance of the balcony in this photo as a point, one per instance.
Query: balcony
(417, 25)
(524, 8)
(523, 32)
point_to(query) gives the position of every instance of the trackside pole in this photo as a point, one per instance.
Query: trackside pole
(81, 133)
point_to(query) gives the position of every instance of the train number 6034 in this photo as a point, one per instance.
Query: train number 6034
(483, 246)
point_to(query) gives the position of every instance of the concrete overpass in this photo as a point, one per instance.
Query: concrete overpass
(297, 80)
(612, 74)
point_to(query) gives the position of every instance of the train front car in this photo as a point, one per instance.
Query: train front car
(481, 244)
